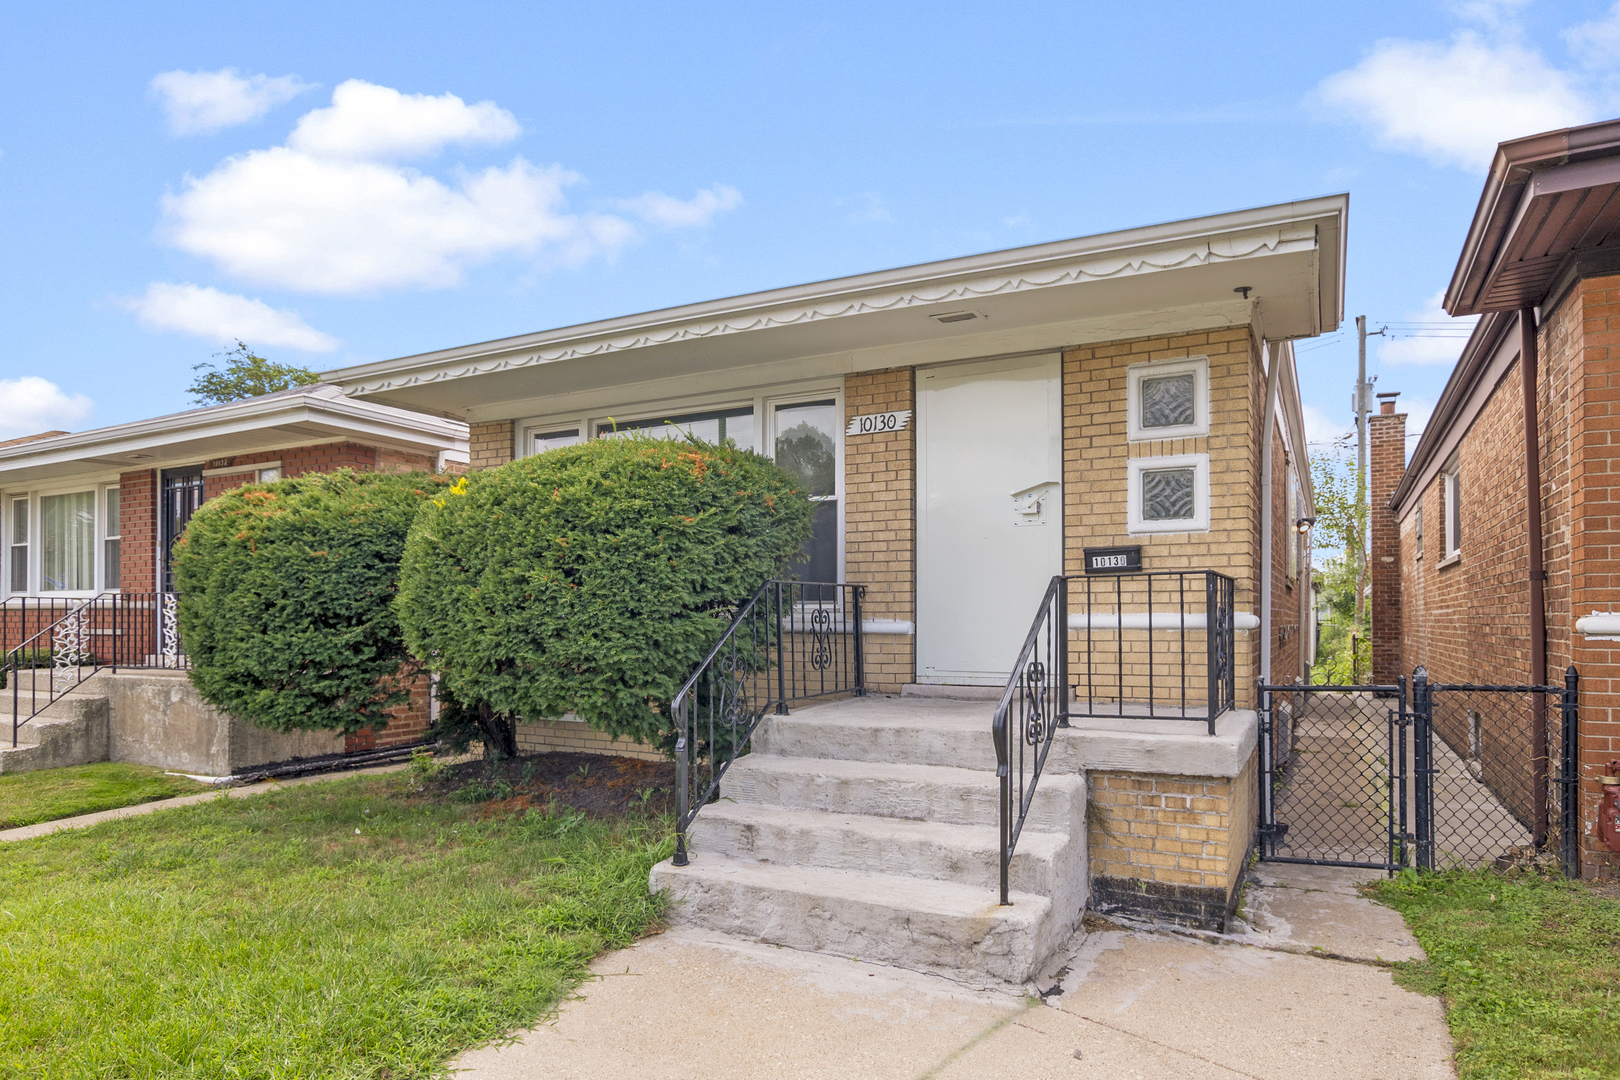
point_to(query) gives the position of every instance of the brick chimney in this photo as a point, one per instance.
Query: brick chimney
(1387, 462)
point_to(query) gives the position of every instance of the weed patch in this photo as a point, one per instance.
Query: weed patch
(1526, 964)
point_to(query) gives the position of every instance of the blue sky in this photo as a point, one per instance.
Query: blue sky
(344, 183)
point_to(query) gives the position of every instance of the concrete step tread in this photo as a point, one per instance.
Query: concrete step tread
(977, 716)
(846, 769)
(969, 839)
(903, 894)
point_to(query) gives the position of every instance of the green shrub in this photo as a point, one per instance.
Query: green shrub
(590, 579)
(286, 593)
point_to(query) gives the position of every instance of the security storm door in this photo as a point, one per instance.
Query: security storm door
(989, 512)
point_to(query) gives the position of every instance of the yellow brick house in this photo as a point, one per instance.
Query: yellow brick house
(1100, 410)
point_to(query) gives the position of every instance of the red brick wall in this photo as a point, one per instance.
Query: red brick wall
(137, 515)
(1387, 453)
(407, 722)
(1469, 621)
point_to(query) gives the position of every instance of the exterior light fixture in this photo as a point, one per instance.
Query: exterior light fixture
(1304, 524)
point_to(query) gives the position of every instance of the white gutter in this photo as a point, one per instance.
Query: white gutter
(1273, 365)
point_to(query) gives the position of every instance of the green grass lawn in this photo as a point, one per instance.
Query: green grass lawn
(339, 929)
(31, 797)
(1529, 968)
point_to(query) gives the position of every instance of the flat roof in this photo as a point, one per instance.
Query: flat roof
(1279, 266)
(296, 417)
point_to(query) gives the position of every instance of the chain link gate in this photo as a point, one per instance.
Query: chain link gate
(1450, 775)
(1334, 775)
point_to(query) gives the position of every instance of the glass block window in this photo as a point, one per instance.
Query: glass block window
(1168, 401)
(1167, 494)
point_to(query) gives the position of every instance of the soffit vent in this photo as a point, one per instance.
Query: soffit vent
(948, 317)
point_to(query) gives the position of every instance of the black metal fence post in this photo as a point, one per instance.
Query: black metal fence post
(1062, 631)
(1401, 782)
(1268, 776)
(1569, 775)
(1422, 770)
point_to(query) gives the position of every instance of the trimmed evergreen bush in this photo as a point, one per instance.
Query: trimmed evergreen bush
(286, 598)
(590, 579)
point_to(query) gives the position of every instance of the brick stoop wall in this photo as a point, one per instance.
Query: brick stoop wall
(1171, 847)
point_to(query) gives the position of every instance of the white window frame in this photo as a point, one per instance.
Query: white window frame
(593, 417)
(1198, 366)
(99, 487)
(1136, 523)
(1451, 511)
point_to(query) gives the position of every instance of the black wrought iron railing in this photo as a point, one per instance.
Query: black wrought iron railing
(1157, 645)
(1032, 707)
(790, 641)
(59, 644)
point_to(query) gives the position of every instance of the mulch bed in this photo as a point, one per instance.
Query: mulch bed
(597, 784)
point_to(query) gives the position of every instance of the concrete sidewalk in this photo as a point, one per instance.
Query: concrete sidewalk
(1265, 1003)
(45, 828)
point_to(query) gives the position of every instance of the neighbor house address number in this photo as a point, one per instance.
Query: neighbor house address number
(878, 422)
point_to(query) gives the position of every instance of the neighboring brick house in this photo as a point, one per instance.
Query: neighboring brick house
(991, 418)
(95, 512)
(1471, 578)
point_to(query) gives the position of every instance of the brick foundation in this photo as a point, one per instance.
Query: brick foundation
(1170, 847)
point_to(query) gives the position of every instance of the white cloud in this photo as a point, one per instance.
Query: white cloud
(330, 213)
(1597, 43)
(370, 121)
(32, 405)
(225, 317)
(1427, 336)
(656, 208)
(868, 208)
(1322, 430)
(203, 101)
(1453, 102)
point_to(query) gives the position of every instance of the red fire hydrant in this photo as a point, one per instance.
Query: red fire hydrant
(1609, 808)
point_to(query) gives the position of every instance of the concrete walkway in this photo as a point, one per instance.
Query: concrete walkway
(45, 828)
(1131, 1002)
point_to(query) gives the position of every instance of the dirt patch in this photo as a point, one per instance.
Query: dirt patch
(600, 785)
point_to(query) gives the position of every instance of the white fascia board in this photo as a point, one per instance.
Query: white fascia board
(1284, 228)
(1048, 337)
(336, 417)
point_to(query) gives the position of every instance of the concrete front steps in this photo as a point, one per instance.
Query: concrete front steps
(868, 828)
(74, 730)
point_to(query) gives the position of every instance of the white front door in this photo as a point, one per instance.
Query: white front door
(989, 512)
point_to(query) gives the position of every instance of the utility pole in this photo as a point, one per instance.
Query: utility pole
(1362, 404)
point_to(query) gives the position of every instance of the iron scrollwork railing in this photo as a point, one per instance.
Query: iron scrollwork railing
(61, 643)
(790, 641)
(1034, 704)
